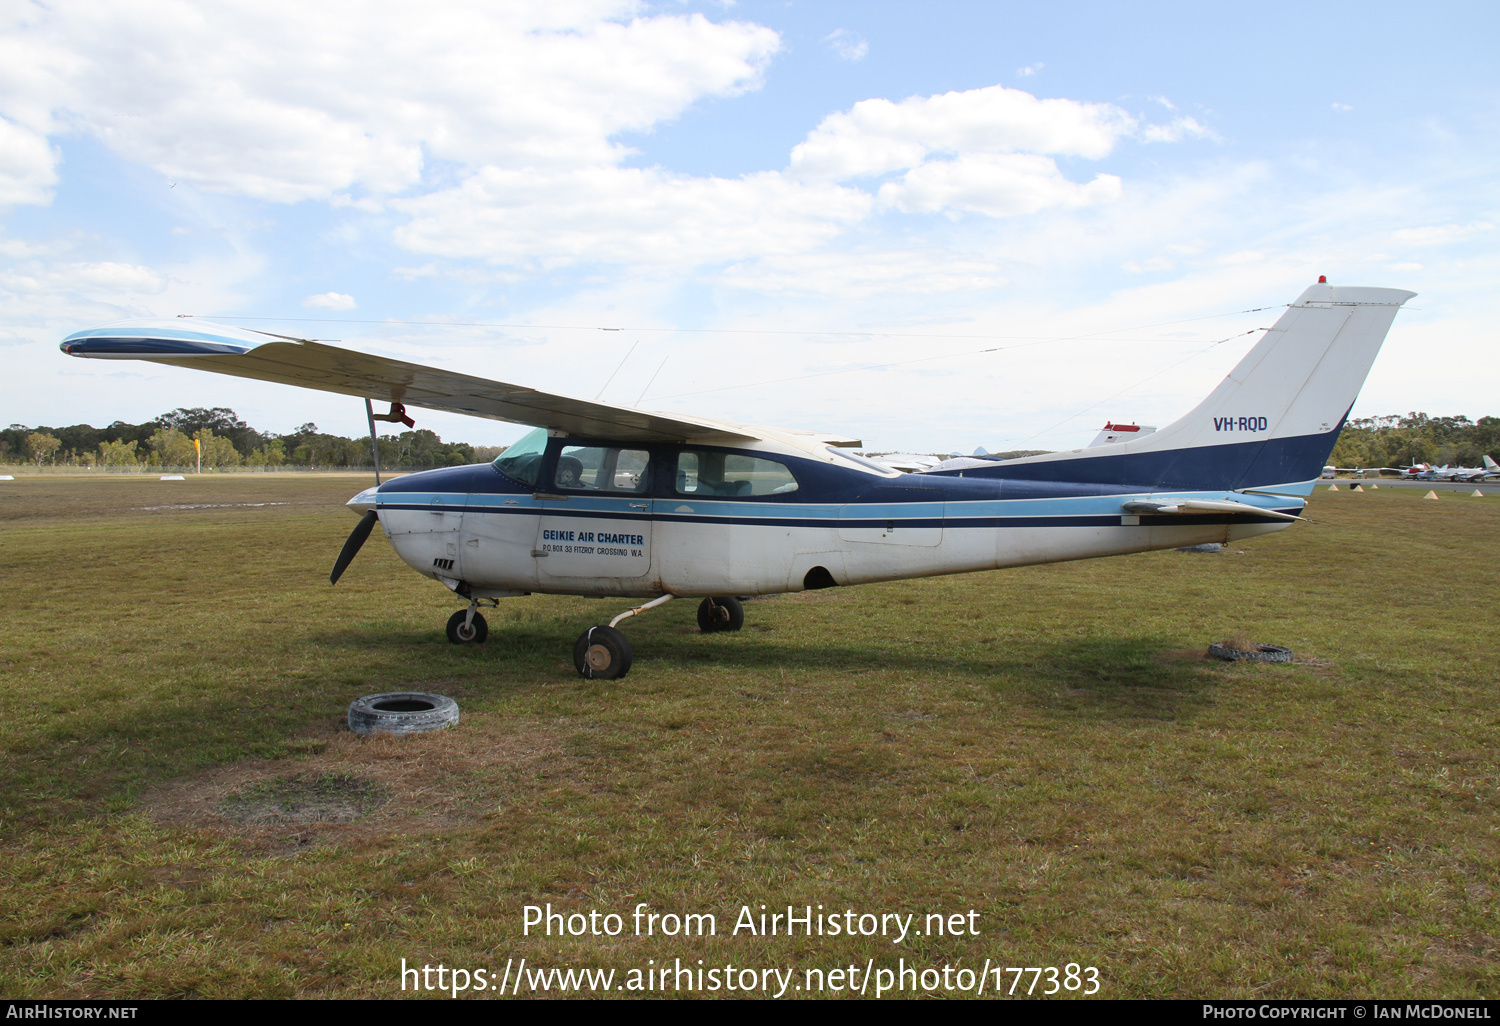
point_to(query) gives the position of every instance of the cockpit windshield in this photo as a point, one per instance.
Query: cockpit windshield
(523, 459)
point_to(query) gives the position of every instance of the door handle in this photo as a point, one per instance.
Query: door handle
(640, 505)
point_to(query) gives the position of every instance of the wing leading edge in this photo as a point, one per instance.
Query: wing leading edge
(248, 354)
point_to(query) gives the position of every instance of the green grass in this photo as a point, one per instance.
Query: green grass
(1039, 745)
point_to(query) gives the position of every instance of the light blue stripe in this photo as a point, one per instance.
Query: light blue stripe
(1087, 505)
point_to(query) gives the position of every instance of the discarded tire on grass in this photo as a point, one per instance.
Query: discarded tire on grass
(1257, 652)
(401, 713)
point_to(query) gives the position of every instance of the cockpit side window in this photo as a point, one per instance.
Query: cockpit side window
(523, 460)
(599, 468)
(703, 472)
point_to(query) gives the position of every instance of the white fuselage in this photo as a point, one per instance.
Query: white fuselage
(495, 543)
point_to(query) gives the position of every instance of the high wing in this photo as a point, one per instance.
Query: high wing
(265, 357)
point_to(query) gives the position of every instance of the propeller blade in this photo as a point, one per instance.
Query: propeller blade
(351, 547)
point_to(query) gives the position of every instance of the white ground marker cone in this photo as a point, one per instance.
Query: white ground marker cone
(1374, 487)
(1430, 495)
(1333, 488)
(1476, 494)
(1357, 488)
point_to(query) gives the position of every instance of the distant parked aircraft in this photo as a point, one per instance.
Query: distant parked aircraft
(1447, 473)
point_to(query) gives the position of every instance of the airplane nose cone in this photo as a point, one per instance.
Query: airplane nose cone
(364, 501)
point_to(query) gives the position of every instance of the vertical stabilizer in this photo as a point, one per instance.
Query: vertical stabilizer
(1272, 422)
(1302, 377)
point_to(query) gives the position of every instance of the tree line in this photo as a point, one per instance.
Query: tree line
(1400, 441)
(226, 442)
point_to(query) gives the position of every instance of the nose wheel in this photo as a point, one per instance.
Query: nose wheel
(467, 627)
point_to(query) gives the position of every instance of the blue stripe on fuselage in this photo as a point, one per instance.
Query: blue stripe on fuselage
(1200, 468)
(1103, 511)
(1059, 487)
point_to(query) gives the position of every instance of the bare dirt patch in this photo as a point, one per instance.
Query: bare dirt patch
(354, 790)
(305, 798)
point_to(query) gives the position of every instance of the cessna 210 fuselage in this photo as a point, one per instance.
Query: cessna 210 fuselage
(614, 501)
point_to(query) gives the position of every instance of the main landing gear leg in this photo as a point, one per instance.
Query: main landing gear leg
(603, 653)
(467, 627)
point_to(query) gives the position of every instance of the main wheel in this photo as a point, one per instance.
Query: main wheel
(602, 653)
(720, 614)
(473, 634)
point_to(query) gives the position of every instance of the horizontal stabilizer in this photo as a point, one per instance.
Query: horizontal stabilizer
(1182, 507)
(247, 354)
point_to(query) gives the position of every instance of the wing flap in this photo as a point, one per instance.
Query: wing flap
(224, 350)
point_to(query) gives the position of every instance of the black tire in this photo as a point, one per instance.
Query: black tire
(401, 713)
(602, 653)
(475, 635)
(720, 614)
(1261, 653)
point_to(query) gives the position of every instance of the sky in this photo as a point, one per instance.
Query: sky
(929, 226)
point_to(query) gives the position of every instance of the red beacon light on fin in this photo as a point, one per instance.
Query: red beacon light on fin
(1322, 279)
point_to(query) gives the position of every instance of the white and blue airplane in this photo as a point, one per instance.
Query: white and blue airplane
(605, 500)
(1482, 473)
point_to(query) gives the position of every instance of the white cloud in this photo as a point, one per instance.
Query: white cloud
(1342, 107)
(28, 165)
(494, 129)
(1029, 70)
(997, 185)
(640, 217)
(100, 279)
(286, 101)
(849, 46)
(1181, 127)
(1439, 234)
(864, 273)
(878, 136)
(330, 301)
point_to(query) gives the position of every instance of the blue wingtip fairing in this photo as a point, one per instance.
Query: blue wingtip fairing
(136, 339)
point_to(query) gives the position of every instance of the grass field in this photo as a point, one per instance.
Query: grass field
(1044, 746)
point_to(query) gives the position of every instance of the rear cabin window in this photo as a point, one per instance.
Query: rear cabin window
(599, 468)
(731, 475)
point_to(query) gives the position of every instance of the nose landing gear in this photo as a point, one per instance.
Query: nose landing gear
(467, 627)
